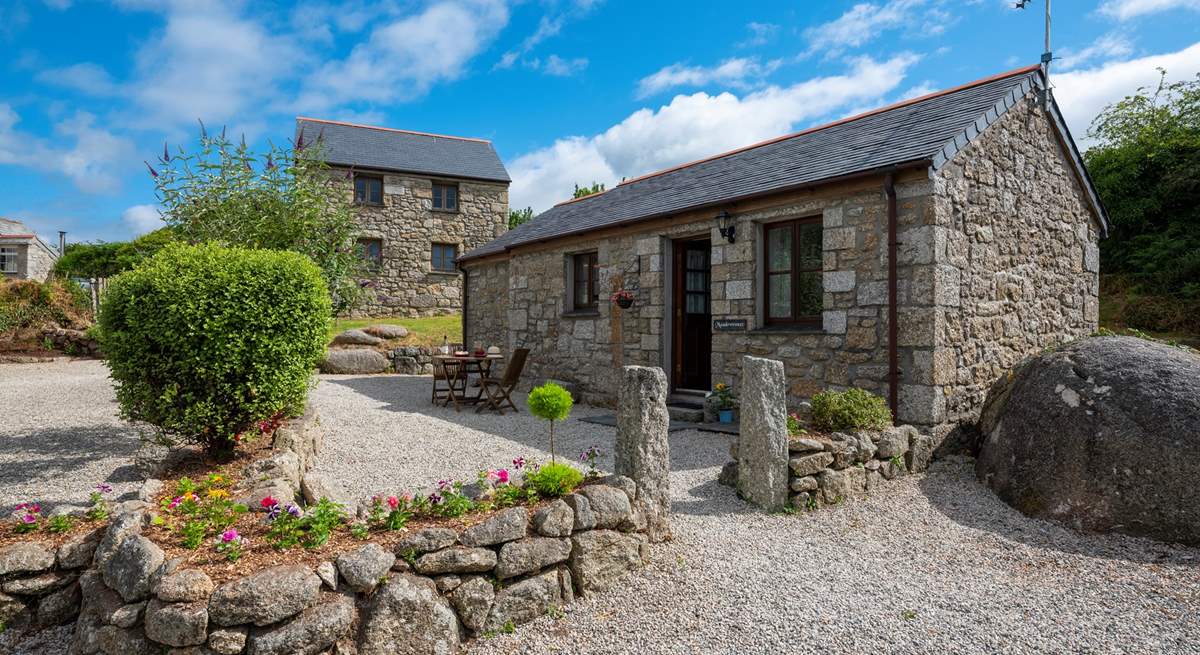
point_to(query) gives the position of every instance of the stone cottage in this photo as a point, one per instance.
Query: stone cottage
(23, 254)
(423, 200)
(916, 251)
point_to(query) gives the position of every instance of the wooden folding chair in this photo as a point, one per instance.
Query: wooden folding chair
(499, 390)
(440, 393)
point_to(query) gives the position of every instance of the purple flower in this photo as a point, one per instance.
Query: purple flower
(153, 173)
(229, 535)
(519, 463)
(444, 484)
(300, 141)
(294, 511)
(29, 518)
(435, 498)
(166, 158)
(104, 488)
(273, 512)
(270, 162)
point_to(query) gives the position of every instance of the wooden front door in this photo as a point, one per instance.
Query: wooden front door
(692, 329)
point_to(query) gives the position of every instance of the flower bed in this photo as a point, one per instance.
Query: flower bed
(225, 557)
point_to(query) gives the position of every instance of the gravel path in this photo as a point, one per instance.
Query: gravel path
(60, 435)
(936, 563)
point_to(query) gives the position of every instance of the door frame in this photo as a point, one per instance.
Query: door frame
(672, 329)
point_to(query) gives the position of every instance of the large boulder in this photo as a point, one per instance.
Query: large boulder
(314, 630)
(265, 597)
(1100, 435)
(354, 361)
(356, 338)
(408, 616)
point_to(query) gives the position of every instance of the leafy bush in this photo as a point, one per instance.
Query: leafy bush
(284, 199)
(205, 341)
(106, 259)
(852, 409)
(554, 479)
(552, 403)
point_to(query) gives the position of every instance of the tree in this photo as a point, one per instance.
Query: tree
(101, 260)
(288, 199)
(519, 217)
(552, 403)
(581, 191)
(1146, 168)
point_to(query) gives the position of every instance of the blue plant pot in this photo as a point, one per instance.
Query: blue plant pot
(725, 415)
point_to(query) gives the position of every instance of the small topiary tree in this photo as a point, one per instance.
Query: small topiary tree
(852, 409)
(205, 341)
(553, 403)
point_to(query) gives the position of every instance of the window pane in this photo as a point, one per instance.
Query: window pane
(697, 303)
(360, 189)
(779, 295)
(697, 260)
(437, 196)
(376, 187)
(810, 247)
(779, 249)
(808, 286)
(451, 197)
(697, 281)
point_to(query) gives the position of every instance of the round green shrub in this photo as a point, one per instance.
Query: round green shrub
(550, 402)
(554, 479)
(205, 341)
(852, 409)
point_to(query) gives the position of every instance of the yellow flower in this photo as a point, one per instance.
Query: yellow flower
(215, 479)
(217, 493)
(189, 496)
(720, 386)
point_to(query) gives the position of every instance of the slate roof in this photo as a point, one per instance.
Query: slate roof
(929, 130)
(383, 148)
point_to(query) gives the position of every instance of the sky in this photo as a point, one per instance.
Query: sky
(569, 91)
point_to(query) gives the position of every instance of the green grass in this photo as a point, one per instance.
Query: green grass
(426, 331)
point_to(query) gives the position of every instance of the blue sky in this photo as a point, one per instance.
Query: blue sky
(568, 90)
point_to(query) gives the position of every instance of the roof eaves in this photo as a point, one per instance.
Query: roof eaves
(389, 129)
(414, 171)
(972, 131)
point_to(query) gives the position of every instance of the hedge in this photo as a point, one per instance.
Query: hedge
(205, 341)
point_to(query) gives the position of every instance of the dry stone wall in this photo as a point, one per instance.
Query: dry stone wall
(408, 226)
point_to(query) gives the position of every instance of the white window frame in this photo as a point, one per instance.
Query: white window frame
(10, 254)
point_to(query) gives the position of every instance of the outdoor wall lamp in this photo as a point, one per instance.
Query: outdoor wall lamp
(727, 225)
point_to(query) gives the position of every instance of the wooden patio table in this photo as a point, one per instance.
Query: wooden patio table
(458, 370)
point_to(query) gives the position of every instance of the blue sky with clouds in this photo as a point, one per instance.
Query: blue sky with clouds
(568, 90)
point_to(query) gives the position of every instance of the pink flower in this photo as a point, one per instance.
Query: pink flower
(519, 463)
(20, 507)
(493, 475)
(406, 497)
(502, 475)
(35, 508)
(269, 502)
(175, 502)
(393, 502)
(229, 535)
(29, 518)
(444, 484)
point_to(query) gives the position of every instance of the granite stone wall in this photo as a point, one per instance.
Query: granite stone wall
(406, 285)
(486, 312)
(1013, 267)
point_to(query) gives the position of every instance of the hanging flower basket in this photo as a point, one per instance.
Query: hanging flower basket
(623, 298)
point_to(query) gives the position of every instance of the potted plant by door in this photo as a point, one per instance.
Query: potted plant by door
(726, 401)
(623, 298)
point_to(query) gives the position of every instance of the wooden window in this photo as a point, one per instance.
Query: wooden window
(792, 272)
(444, 255)
(371, 251)
(368, 190)
(445, 197)
(583, 281)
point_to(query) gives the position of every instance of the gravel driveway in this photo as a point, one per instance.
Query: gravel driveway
(934, 564)
(60, 435)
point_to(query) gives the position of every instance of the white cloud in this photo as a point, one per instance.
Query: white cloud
(923, 89)
(142, 218)
(402, 59)
(866, 21)
(1105, 48)
(86, 77)
(1083, 93)
(695, 126)
(1127, 9)
(736, 72)
(94, 162)
(760, 34)
(210, 63)
(559, 67)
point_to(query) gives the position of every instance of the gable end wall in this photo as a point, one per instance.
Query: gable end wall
(1016, 261)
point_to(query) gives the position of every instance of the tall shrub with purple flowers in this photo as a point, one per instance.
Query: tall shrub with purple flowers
(284, 199)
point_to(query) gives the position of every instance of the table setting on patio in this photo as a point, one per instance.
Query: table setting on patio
(457, 370)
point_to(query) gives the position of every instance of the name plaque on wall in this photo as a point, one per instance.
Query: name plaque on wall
(729, 325)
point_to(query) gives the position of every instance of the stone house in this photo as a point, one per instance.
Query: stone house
(23, 255)
(917, 251)
(423, 200)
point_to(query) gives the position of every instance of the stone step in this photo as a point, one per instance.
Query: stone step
(685, 413)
